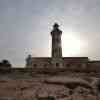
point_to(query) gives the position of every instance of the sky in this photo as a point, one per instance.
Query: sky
(25, 27)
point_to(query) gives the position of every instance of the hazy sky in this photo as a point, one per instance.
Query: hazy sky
(25, 27)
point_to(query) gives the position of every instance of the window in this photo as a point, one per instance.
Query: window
(68, 65)
(57, 64)
(35, 65)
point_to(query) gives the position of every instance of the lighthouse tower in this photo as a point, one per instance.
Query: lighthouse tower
(56, 41)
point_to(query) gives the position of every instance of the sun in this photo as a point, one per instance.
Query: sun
(71, 44)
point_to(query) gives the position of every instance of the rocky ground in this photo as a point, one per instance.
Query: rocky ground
(42, 87)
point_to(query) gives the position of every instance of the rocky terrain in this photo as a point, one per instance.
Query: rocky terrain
(43, 86)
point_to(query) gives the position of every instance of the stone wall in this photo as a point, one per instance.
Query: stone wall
(69, 63)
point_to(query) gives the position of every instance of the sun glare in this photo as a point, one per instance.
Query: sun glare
(71, 44)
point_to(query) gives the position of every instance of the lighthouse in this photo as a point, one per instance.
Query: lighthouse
(56, 42)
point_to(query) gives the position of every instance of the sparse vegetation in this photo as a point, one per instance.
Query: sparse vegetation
(5, 64)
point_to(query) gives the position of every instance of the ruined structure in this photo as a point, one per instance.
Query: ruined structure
(52, 78)
(57, 61)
